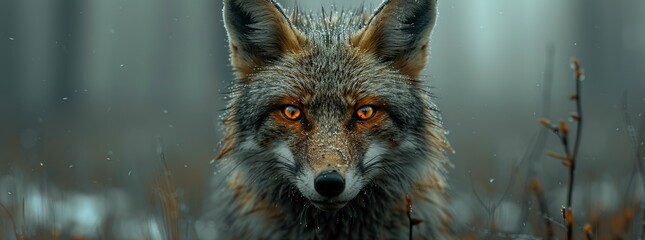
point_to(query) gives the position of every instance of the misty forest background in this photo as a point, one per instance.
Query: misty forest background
(91, 92)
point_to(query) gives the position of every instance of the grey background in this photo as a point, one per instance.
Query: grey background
(91, 90)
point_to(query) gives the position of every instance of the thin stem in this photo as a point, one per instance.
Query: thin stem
(571, 155)
(635, 139)
(408, 200)
(24, 224)
(12, 220)
(576, 145)
(534, 153)
(640, 151)
(544, 209)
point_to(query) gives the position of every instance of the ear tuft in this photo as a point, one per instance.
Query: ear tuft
(398, 33)
(258, 32)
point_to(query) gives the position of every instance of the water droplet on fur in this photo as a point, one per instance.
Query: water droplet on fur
(129, 172)
(41, 164)
(491, 180)
(71, 166)
(9, 193)
(11, 39)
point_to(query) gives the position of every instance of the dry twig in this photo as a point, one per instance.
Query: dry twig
(544, 210)
(562, 132)
(13, 221)
(165, 191)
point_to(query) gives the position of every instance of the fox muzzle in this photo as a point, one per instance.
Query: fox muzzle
(329, 183)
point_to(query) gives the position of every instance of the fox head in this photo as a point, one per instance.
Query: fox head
(331, 106)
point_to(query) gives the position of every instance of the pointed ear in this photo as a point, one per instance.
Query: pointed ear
(398, 32)
(258, 32)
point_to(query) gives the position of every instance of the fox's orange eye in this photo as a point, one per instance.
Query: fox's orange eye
(365, 113)
(291, 112)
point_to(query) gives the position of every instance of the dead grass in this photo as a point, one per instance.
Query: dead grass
(12, 220)
(165, 194)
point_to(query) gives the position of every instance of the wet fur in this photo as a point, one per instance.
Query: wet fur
(329, 63)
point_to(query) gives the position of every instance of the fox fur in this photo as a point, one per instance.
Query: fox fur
(328, 67)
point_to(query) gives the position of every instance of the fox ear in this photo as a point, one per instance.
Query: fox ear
(398, 32)
(258, 32)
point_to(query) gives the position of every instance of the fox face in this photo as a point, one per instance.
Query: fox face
(330, 130)
(325, 108)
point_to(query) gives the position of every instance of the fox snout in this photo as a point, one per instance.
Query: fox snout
(330, 188)
(329, 183)
(328, 177)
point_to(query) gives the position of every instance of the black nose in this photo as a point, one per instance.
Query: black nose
(329, 183)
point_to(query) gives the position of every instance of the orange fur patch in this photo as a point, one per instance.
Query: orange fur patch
(412, 66)
(370, 40)
(228, 144)
(248, 203)
(280, 120)
(374, 121)
(289, 40)
(328, 160)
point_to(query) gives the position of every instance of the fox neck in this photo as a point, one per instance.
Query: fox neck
(367, 212)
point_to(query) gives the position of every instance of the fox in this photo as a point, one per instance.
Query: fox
(330, 131)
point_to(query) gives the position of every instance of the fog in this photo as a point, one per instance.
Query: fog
(93, 92)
